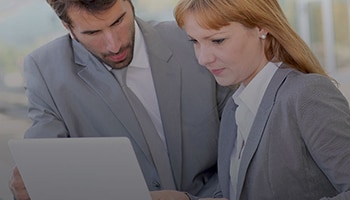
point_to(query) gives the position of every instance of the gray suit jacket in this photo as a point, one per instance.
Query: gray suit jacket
(299, 143)
(71, 94)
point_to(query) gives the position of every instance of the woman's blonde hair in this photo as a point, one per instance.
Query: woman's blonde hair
(282, 43)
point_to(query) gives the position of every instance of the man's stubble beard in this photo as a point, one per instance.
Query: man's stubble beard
(114, 65)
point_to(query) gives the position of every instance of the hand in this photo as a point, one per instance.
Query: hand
(168, 195)
(17, 186)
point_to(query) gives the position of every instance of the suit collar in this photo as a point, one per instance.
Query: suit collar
(166, 76)
(104, 84)
(155, 46)
(260, 122)
(154, 43)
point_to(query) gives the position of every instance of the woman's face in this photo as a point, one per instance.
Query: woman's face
(233, 54)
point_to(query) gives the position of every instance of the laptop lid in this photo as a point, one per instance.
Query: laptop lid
(79, 168)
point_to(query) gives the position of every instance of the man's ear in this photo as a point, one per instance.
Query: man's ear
(69, 29)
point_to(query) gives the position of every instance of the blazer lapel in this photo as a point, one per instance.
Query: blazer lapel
(259, 123)
(228, 134)
(166, 76)
(106, 86)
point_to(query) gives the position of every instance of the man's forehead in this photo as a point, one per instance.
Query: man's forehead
(88, 19)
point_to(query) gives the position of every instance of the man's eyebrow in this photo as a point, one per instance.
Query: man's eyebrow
(94, 31)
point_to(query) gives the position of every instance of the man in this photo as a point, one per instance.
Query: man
(73, 90)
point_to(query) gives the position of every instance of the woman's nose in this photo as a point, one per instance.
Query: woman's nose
(204, 56)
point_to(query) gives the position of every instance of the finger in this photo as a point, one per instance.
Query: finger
(17, 186)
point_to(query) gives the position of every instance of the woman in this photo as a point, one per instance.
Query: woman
(286, 132)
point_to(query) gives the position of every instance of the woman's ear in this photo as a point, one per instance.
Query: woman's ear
(262, 33)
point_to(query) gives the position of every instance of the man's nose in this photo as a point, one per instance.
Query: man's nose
(112, 41)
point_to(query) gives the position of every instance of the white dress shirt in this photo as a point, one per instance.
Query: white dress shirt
(139, 79)
(248, 99)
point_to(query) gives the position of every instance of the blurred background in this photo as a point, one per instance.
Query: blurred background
(27, 24)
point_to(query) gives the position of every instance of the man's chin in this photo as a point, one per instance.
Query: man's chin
(118, 65)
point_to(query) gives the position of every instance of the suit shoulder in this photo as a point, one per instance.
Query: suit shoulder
(55, 46)
(167, 26)
(169, 31)
(301, 87)
(302, 80)
(56, 55)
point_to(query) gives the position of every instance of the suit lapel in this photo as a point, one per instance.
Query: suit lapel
(259, 123)
(106, 86)
(228, 134)
(166, 76)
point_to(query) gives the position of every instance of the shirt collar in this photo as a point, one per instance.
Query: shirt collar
(252, 94)
(140, 58)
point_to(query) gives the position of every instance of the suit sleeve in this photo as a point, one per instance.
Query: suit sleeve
(324, 120)
(46, 120)
(222, 94)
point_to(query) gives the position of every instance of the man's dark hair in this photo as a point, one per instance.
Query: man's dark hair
(92, 6)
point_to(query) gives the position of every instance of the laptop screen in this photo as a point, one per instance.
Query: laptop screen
(79, 168)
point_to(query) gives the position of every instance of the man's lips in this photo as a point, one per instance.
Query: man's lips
(118, 57)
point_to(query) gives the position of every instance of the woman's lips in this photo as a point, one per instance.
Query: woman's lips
(217, 72)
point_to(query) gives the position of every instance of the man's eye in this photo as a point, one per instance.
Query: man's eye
(91, 32)
(119, 20)
(219, 41)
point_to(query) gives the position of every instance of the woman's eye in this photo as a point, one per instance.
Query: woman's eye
(193, 41)
(219, 41)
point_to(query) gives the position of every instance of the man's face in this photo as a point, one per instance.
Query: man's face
(109, 35)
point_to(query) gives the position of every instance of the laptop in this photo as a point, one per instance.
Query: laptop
(79, 168)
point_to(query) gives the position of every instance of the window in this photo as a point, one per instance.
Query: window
(325, 26)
